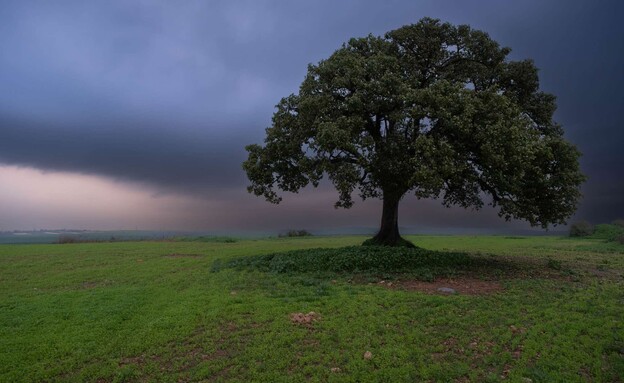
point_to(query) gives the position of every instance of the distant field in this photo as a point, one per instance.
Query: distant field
(54, 236)
(526, 309)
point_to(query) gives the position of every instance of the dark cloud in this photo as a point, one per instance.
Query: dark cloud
(170, 158)
(168, 94)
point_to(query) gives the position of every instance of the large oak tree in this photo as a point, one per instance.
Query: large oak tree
(429, 109)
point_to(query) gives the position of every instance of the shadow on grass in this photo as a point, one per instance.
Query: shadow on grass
(384, 261)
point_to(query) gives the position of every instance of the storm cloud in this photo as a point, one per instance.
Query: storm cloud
(166, 157)
(168, 94)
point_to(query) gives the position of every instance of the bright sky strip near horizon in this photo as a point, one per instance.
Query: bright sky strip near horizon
(123, 114)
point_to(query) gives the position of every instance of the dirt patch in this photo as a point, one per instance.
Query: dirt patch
(178, 255)
(183, 355)
(609, 274)
(304, 319)
(89, 285)
(449, 286)
(138, 361)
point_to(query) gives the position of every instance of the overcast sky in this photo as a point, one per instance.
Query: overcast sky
(125, 114)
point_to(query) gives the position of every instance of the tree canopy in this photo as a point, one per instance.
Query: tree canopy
(429, 109)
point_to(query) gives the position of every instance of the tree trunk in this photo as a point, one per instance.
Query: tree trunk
(388, 234)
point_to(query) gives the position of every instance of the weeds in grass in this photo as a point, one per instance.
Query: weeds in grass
(354, 259)
(554, 264)
(369, 264)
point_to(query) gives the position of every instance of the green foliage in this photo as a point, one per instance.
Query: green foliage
(401, 242)
(377, 259)
(430, 109)
(608, 232)
(554, 264)
(581, 229)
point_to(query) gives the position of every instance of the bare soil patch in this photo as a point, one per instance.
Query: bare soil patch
(442, 286)
(304, 319)
(90, 285)
(184, 355)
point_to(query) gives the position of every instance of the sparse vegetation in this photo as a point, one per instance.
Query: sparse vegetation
(581, 229)
(544, 309)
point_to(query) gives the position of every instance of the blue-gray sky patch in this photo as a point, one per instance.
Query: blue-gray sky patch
(167, 94)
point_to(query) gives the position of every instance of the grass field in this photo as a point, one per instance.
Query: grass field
(528, 309)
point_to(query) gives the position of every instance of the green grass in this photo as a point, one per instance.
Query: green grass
(352, 259)
(608, 232)
(219, 311)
